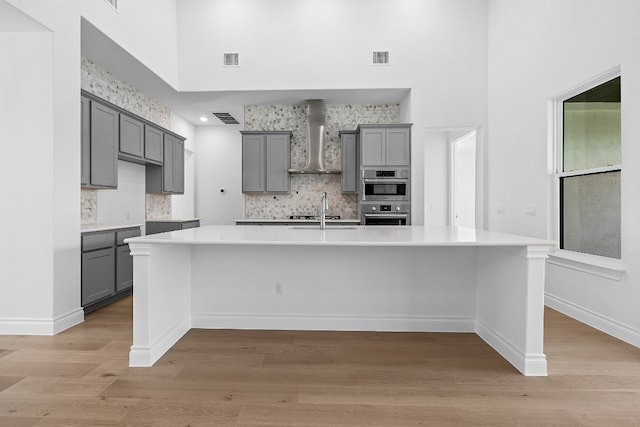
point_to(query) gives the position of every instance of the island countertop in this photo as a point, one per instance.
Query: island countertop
(339, 236)
(376, 278)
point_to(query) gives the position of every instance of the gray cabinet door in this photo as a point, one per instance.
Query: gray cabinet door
(124, 268)
(398, 146)
(253, 163)
(278, 163)
(178, 167)
(168, 178)
(153, 143)
(372, 146)
(98, 275)
(131, 136)
(349, 163)
(85, 148)
(104, 146)
(167, 165)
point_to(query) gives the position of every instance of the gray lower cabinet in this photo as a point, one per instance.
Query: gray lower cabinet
(107, 267)
(350, 168)
(159, 226)
(124, 268)
(100, 140)
(266, 159)
(168, 178)
(385, 145)
(98, 275)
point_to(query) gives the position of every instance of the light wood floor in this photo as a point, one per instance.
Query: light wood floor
(284, 378)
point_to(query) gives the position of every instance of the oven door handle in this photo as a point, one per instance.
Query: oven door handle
(384, 181)
(385, 215)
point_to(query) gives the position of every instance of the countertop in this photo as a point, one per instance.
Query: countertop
(89, 228)
(295, 221)
(174, 220)
(339, 235)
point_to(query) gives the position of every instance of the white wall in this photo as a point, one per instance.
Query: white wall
(219, 166)
(125, 204)
(435, 158)
(538, 50)
(438, 48)
(147, 29)
(183, 205)
(27, 169)
(41, 114)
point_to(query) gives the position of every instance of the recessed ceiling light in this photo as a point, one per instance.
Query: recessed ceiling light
(204, 119)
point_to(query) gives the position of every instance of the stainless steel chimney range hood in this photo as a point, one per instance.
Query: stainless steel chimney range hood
(315, 114)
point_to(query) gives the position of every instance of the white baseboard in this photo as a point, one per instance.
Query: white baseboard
(26, 326)
(68, 320)
(602, 323)
(333, 322)
(534, 365)
(145, 356)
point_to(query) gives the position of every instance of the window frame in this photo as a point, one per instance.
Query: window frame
(611, 268)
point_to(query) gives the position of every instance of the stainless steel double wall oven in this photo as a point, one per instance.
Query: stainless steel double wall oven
(384, 197)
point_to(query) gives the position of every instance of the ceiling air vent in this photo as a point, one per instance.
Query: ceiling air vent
(226, 118)
(380, 57)
(231, 60)
(113, 3)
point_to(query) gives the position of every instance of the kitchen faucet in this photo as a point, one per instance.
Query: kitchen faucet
(323, 211)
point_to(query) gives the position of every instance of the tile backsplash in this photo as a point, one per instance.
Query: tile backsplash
(102, 83)
(304, 197)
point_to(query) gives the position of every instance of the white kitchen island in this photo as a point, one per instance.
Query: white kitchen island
(373, 278)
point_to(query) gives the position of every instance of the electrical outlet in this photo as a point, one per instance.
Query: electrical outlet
(530, 210)
(279, 288)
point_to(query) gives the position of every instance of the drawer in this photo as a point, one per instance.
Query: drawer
(125, 234)
(91, 242)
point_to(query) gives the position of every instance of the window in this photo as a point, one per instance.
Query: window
(589, 171)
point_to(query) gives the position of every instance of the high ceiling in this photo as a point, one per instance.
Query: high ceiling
(100, 49)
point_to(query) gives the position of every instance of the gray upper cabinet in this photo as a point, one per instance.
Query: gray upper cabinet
(104, 123)
(168, 164)
(398, 148)
(153, 143)
(372, 146)
(385, 145)
(278, 163)
(266, 159)
(109, 133)
(85, 148)
(253, 163)
(349, 146)
(178, 166)
(168, 178)
(131, 136)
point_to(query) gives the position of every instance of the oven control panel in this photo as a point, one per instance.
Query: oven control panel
(385, 208)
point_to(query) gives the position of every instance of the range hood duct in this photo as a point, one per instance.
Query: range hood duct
(315, 114)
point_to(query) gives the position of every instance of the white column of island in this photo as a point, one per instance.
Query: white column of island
(373, 278)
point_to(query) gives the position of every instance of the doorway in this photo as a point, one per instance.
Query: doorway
(463, 160)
